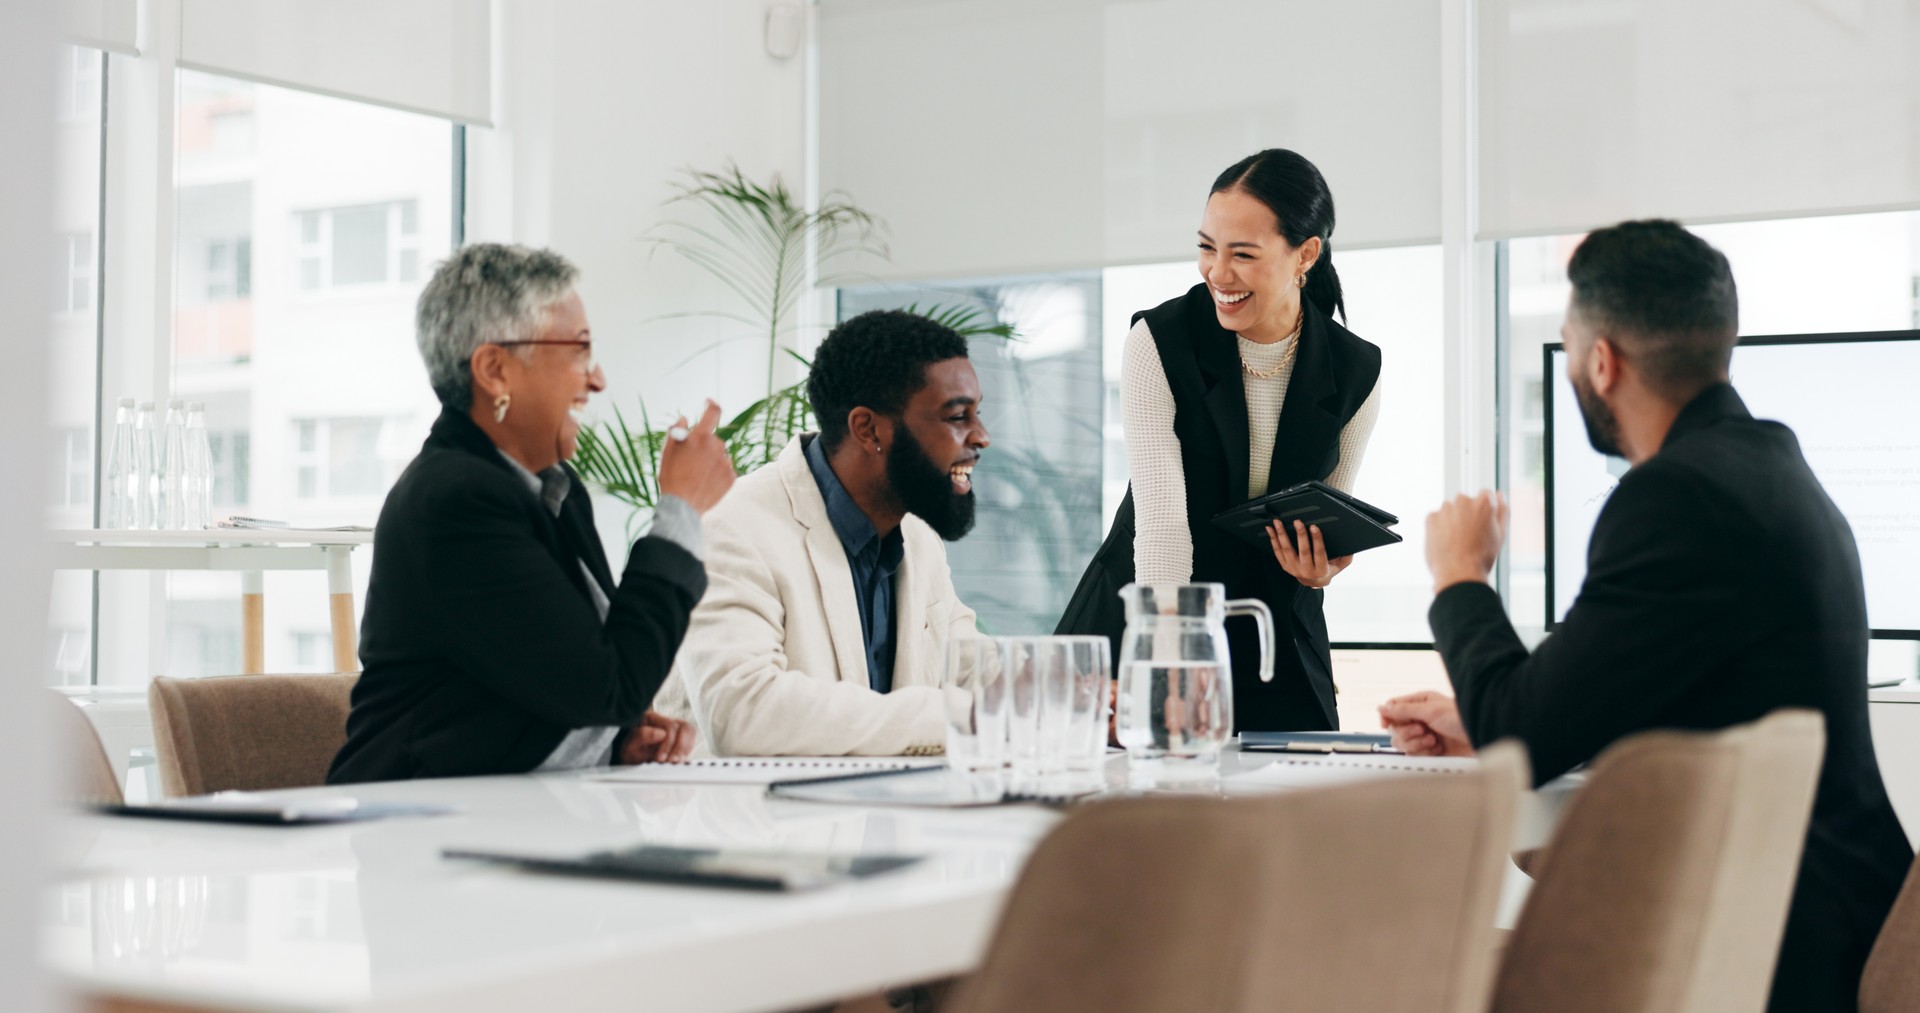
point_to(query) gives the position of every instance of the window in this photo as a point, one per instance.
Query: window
(1037, 521)
(312, 651)
(73, 292)
(229, 452)
(282, 196)
(1864, 279)
(229, 268)
(338, 458)
(71, 477)
(376, 244)
(81, 71)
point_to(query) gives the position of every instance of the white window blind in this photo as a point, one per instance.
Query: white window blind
(426, 56)
(1006, 136)
(1710, 110)
(112, 25)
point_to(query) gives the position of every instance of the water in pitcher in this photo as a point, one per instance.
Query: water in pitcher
(1175, 709)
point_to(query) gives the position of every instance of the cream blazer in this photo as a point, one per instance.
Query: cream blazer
(774, 664)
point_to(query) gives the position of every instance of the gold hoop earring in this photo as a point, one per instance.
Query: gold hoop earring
(500, 405)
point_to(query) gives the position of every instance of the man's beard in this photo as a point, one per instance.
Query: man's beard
(925, 489)
(1603, 427)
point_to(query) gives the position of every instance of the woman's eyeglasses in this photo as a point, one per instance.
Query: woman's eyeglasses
(586, 347)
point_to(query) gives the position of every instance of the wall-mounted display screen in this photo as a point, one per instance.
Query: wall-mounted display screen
(1854, 402)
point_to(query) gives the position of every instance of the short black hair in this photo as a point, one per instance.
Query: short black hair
(876, 360)
(1664, 298)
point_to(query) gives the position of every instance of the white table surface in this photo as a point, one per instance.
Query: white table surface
(369, 917)
(210, 536)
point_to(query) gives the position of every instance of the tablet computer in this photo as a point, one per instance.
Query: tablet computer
(1347, 525)
(744, 868)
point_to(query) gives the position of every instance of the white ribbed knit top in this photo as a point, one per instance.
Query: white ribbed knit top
(1162, 545)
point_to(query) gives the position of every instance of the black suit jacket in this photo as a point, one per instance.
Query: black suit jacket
(480, 645)
(1722, 583)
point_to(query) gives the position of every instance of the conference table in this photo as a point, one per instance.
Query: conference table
(370, 917)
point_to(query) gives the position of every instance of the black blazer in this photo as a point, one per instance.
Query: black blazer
(1332, 376)
(480, 645)
(1721, 584)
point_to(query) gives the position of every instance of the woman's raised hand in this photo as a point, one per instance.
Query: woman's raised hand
(1309, 565)
(695, 466)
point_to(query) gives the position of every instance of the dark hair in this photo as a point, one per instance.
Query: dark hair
(1297, 194)
(876, 360)
(1664, 298)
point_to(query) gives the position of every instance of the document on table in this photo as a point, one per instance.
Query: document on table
(1319, 771)
(758, 770)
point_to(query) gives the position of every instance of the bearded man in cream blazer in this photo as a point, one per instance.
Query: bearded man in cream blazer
(828, 594)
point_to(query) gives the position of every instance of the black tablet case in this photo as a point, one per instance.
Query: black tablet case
(1347, 525)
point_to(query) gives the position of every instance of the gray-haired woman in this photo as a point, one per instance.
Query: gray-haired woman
(495, 639)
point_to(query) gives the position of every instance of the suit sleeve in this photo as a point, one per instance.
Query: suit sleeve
(520, 625)
(744, 696)
(1660, 601)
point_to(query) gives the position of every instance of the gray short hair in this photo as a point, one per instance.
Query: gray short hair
(484, 294)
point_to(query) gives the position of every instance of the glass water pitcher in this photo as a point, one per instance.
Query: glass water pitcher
(1176, 680)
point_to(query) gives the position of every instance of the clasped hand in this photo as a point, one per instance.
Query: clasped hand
(1309, 565)
(1426, 724)
(657, 739)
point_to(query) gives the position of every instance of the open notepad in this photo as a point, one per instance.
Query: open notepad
(758, 770)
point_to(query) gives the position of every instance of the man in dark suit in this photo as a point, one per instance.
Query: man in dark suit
(1722, 583)
(495, 640)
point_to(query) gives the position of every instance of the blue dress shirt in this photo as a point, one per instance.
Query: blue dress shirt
(873, 560)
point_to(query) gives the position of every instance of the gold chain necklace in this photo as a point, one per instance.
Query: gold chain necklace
(1286, 357)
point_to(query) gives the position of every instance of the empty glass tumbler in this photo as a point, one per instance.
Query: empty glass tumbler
(1077, 688)
(975, 685)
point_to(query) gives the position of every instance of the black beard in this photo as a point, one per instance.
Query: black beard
(925, 489)
(1603, 427)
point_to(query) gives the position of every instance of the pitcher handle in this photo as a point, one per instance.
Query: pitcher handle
(1263, 618)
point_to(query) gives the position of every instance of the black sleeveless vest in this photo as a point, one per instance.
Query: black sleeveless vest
(1333, 372)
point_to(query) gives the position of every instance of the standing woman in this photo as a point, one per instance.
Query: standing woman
(1243, 385)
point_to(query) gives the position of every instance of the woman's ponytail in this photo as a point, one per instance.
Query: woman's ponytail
(1323, 284)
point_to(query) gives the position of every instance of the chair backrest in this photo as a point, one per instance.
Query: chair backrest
(1891, 983)
(1666, 885)
(248, 732)
(87, 776)
(1376, 896)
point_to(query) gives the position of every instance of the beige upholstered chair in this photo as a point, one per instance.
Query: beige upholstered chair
(1666, 884)
(248, 732)
(1891, 983)
(1376, 896)
(87, 775)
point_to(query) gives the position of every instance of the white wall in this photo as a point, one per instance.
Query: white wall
(601, 104)
(27, 54)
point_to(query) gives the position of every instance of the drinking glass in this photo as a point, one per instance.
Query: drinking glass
(1084, 671)
(1021, 657)
(974, 683)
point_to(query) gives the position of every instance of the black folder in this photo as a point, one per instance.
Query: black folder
(1347, 525)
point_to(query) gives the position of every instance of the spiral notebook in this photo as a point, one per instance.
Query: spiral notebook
(1338, 768)
(758, 770)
